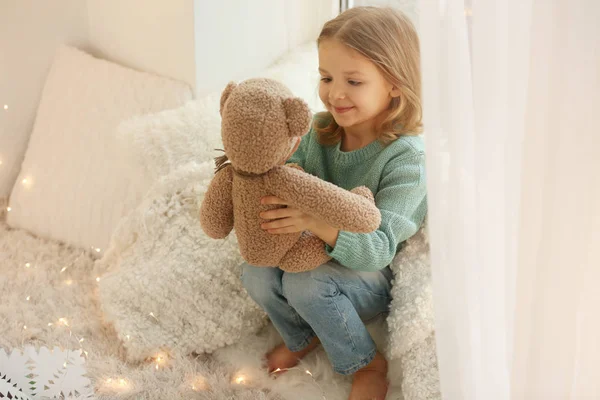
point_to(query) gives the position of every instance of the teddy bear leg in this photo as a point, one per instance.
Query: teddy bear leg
(308, 253)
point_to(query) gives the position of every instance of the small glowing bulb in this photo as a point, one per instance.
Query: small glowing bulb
(97, 250)
(6, 106)
(68, 281)
(239, 380)
(81, 340)
(122, 381)
(28, 297)
(49, 323)
(97, 279)
(24, 326)
(199, 384)
(8, 209)
(157, 366)
(27, 265)
(65, 364)
(108, 380)
(24, 181)
(63, 270)
(127, 336)
(86, 353)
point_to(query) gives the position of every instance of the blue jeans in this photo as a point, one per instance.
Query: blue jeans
(331, 302)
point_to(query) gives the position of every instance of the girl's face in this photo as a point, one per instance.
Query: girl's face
(352, 88)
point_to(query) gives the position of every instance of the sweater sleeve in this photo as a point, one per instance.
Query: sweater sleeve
(401, 198)
(299, 156)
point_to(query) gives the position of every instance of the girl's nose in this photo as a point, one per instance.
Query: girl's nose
(336, 92)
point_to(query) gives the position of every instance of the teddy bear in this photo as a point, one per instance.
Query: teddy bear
(261, 126)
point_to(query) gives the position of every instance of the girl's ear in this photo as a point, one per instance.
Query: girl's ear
(395, 92)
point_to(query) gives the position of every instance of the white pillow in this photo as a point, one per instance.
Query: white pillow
(166, 140)
(75, 183)
(161, 262)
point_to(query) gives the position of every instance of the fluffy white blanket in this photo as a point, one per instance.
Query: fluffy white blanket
(167, 285)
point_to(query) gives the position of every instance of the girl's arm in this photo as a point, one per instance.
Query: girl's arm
(403, 204)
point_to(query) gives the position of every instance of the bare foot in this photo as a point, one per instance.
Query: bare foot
(370, 382)
(281, 357)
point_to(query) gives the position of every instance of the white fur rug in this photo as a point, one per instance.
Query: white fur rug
(49, 288)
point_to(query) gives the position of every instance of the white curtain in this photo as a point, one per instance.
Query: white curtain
(512, 115)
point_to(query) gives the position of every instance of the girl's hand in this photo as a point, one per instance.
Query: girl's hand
(286, 220)
(290, 220)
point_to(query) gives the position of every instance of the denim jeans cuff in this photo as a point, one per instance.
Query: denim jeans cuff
(352, 369)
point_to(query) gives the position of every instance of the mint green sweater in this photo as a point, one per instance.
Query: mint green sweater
(395, 174)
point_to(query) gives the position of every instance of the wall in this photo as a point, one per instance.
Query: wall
(30, 31)
(148, 35)
(257, 33)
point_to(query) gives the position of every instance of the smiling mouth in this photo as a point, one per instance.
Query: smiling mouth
(341, 110)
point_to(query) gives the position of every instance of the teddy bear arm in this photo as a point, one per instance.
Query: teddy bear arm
(216, 211)
(336, 206)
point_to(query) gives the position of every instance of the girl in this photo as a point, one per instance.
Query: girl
(370, 85)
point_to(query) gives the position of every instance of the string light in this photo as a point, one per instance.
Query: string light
(160, 359)
(68, 282)
(28, 297)
(6, 106)
(63, 270)
(8, 209)
(307, 372)
(27, 265)
(117, 384)
(97, 279)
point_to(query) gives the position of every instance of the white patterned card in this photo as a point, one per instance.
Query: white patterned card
(44, 374)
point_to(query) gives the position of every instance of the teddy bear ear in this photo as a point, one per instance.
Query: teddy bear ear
(298, 116)
(225, 95)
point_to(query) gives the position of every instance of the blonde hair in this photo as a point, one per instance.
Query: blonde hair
(387, 38)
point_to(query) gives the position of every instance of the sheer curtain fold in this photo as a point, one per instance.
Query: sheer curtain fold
(513, 127)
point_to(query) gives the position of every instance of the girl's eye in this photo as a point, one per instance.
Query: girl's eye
(354, 83)
(326, 80)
